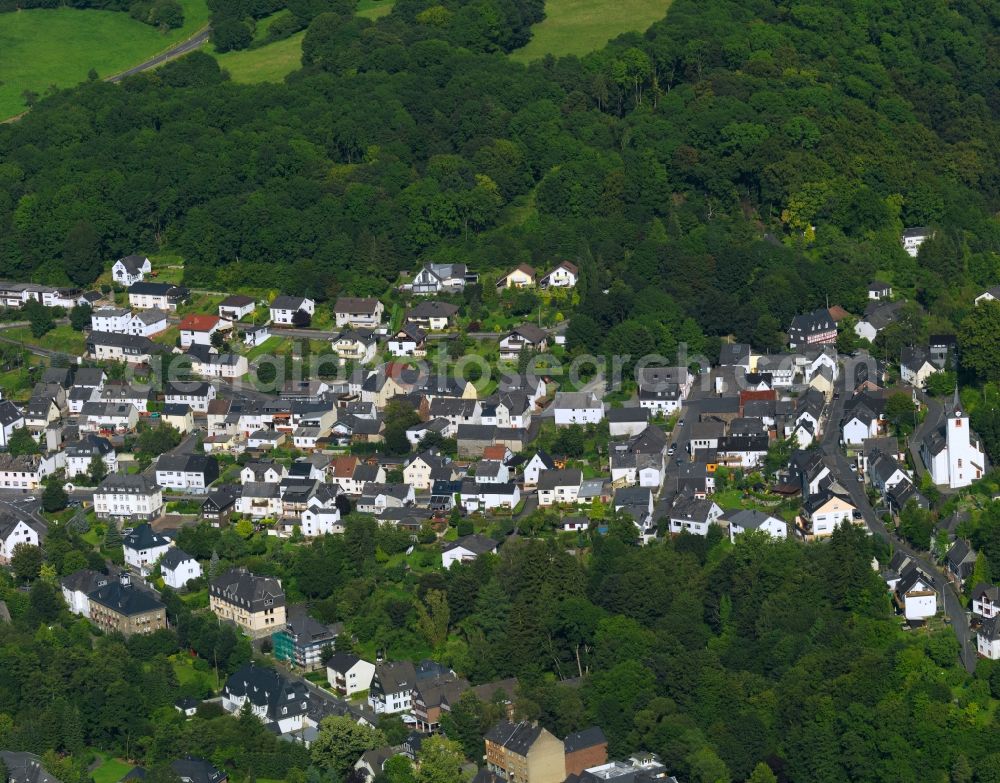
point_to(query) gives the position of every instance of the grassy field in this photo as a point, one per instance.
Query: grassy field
(581, 26)
(41, 47)
(270, 63)
(61, 338)
(274, 61)
(373, 9)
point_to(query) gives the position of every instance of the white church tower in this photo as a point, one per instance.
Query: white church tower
(965, 454)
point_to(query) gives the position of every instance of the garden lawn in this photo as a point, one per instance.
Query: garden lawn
(581, 26)
(186, 673)
(61, 338)
(110, 770)
(45, 46)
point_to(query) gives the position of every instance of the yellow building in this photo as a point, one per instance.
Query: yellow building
(254, 603)
(525, 753)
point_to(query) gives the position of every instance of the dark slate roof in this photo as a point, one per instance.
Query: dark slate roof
(25, 768)
(158, 289)
(516, 737)
(240, 586)
(342, 661)
(266, 688)
(567, 477)
(144, 537)
(588, 738)
(173, 558)
(192, 769)
(285, 302)
(125, 599)
(623, 415)
(475, 543)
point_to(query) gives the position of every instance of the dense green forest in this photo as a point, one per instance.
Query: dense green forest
(739, 162)
(714, 656)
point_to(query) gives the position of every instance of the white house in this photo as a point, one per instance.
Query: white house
(859, 425)
(356, 346)
(130, 270)
(916, 593)
(186, 472)
(163, 296)
(178, 568)
(14, 531)
(348, 674)
(146, 323)
(565, 275)
(197, 394)
(410, 340)
(488, 496)
(273, 698)
(986, 601)
(466, 548)
(128, 496)
(236, 307)
(524, 337)
(953, 454)
(269, 472)
(320, 520)
(11, 419)
(825, 512)
(111, 319)
(255, 335)
(77, 587)
(80, 454)
(143, 546)
(358, 312)
(877, 291)
(913, 238)
(988, 639)
(284, 308)
(198, 329)
(540, 461)
(559, 486)
(626, 422)
(694, 515)
(747, 520)
(440, 278)
(916, 366)
(577, 408)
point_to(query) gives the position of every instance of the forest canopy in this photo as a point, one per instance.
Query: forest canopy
(746, 159)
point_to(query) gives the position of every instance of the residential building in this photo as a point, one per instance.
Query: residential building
(749, 520)
(358, 312)
(16, 530)
(521, 276)
(391, 688)
(197, 394)
(626, 422)
(577, 408)
(585, 749)
(526, 337)
(11, 419)
(236, 307)
(525, 753)
(534, 467)
(121, 607)
(825, 512)
(877, 316)
(439, 279)
(284, 308)
(879, 291)
(565, 275)
(219, 505)
(348, 674)
(410, 340)
(77, 587)
(186, 472)
(130, 270)
(108, 346)
(111, 319)
(916, 366)
(694, 515)
(128, 497)
(254, 603)
(815, 328)
(302, 641)
(147, 323)
(163, 296)
(143, 547)
(466, 548)
(432, 316)
(960, 560)
(913, 238)
(488, 496)
(559, 487)
(988, 639)
(192, 769)
(986, 600)
(198, 329)
(178, 568)
(277, 701)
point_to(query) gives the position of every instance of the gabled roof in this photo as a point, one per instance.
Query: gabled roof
(588, 738)
(199, 323)
(144, 537)
(475, 543)
(284, 302)
(173, 558)
(356, 305)
(567, 477)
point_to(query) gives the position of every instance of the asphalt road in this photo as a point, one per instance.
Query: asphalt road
(184, 47)
(859, 497)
